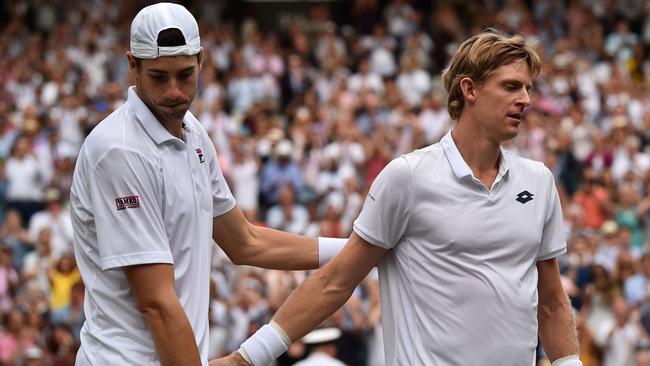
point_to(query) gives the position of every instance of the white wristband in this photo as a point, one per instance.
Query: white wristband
(572, 360)
(328, 248)
(267, 344)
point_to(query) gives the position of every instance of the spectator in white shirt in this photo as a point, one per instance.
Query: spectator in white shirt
(55, 218)
(25, 179)
(413, 82)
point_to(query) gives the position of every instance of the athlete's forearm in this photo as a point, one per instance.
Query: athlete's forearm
(153, 289)
(245, 243)
(327, 290)
(275, 249)
(172, 334)
(312, 302)
(557, 327)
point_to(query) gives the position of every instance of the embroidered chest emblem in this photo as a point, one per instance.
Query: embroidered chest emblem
(524, 197)
(200, 154)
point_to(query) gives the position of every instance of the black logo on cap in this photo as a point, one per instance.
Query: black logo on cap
(525, 196)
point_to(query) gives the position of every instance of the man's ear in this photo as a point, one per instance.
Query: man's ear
(131, 59)
(201, 54)
(468, 88)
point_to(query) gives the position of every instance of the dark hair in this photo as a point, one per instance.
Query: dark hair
(170, 37)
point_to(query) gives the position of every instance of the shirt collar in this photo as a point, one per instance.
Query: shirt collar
(458, 164)
(149, 122)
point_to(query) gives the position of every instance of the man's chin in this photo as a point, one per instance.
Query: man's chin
(509, 134)
(172, 115)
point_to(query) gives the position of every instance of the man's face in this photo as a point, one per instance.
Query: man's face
(167, 85)
(501, 100)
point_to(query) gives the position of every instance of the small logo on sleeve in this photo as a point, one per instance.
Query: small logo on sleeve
(123, 203)
(200, 154)
(524, 197)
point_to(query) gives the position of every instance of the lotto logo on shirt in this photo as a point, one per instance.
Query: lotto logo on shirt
(127, 202)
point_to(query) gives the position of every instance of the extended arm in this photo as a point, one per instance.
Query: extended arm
(322, 294)
(557, 328)
(155, 296)
(245, 243)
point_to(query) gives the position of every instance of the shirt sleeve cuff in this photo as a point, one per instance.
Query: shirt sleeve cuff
(553, 254)
(135, 259)
(369, 238)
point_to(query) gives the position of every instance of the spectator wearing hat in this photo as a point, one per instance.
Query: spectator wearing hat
(33, 356)
(279, 171)
(321, 346)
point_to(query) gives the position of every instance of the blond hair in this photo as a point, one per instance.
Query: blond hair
(478, 57)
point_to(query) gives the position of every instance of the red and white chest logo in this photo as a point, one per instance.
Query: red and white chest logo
(200, 154)
(127, 202)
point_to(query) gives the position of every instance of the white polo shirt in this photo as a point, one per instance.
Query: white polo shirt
(139, 196)
(459, 286)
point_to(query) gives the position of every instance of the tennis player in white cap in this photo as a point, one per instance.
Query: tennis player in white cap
(465, 234)
(147, 199)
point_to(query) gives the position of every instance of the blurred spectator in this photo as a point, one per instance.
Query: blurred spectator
(8, 280)
(413, 82)
(627, 215)
(72, 315)
(57, 219)
(25, 179)
(593, 198)
(38, 262)
(14, 236)
(14, 338)
(63, 275)
(622, 336)
(288, 215)
(279, 171)
(244, 175)
(365, 80)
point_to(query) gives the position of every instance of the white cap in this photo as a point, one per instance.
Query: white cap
(323, 335)
(33, 353)
(154, 18)
(284, 148)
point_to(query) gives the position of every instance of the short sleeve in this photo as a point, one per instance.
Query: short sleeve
(387, 207)
(125, 192)
(553, 236)
(222, 199)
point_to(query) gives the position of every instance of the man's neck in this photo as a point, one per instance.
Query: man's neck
(480, 153)
(175, 128)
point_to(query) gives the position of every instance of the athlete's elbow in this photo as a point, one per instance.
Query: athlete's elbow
(154, 308)
(334, 289)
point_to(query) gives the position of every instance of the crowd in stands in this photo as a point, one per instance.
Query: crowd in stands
(304, 115)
